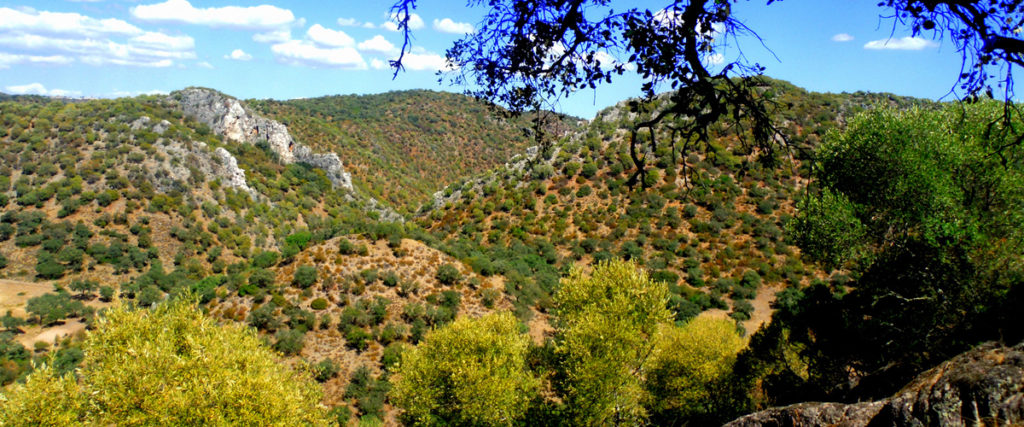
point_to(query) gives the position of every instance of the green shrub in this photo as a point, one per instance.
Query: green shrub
(447, 274)
(325, 370)
(289, 341)
(305, 276)
(345, 247)
(265, 259)
(390, 279)
(357, 339)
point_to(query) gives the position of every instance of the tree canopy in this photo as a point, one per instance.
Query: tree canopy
(607, 322)
(925, 217)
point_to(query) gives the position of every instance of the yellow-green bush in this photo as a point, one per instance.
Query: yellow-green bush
(170, 365)
(607, 324)
(688, 363)
(471, 372)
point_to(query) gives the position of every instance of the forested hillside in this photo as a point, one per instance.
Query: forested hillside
(711, 224)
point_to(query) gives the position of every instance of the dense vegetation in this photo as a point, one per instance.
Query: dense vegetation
(924, 208)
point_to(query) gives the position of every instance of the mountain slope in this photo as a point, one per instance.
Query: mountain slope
(402, 146)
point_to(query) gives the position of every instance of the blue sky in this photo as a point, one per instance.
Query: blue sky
(291, 49)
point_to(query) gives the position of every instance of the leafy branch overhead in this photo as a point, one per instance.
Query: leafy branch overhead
(986, 33)
(526, 55)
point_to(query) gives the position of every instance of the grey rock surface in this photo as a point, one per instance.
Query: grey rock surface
(227, 117)
(983, 386)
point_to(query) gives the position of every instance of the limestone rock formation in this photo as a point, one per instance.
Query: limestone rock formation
(228, 118)
(233, 176)
(984, 386)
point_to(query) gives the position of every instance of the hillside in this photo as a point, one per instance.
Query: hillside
(403, 146)
(711, 224)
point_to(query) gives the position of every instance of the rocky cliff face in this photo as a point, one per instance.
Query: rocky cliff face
(181, 155)
(984, 386)
(228, 118)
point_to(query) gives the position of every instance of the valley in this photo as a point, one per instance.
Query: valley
(347, 230)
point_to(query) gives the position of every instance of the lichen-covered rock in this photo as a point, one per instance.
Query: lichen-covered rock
(140, 123)
(227, 117)
(812, 414)
(984, 386)
(161, 127)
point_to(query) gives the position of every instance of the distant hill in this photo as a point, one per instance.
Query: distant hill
(401, 147)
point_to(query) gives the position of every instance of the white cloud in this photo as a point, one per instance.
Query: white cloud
(904, 43)
(425, 62)
(134, 93)
(352, 22)
(238, 55)
(306, 53)
(164, 41)
(329, 38)
(715, 59)
(349, 22)
(275, 36)
(9, 59)
(205, 64)
(41, 37)
(54, 23)
(446, 25)
(668, 18)
(378, 44)
(262, 17)
(415, 22)
(39, 89)
(842, 37)
(377, 64)
(31, 88)
(607, 60)
(99, 51)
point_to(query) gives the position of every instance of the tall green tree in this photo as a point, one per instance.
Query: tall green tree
(607, 322)
(925, 210)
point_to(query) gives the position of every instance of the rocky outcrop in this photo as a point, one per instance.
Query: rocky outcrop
(329, 163)
(227, 168)
(181, 157)
(984, 386)
(227, 117)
